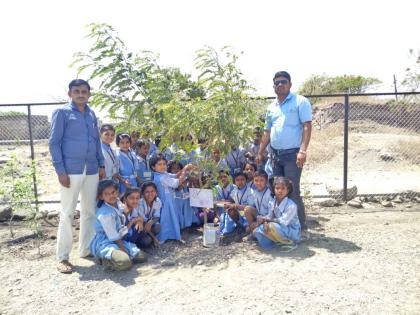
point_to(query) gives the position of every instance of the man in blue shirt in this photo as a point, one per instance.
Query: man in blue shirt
(288, 127)
(77, 157)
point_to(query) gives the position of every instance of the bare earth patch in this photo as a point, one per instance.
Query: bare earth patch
(356, 262)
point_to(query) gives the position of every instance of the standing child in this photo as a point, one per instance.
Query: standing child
(144, 171)
(186, 214)
(220, 163)
(108, 245)
(241, 198)
(128, 163)
(111, 161)
(134, 136)
(166, 183)
(262, 199)
(235, 160)
(281, 225)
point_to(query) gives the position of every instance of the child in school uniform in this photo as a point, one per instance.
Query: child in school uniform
(128, 163)
(220, 163)
(186, 214)
(223, 190)
(235, 160)
(249, 170)
(108, 245)
(144, 172)
(166, 184)
(241, 198)
(150, 208)
(281, 225)
(262, 199)
(111, 161)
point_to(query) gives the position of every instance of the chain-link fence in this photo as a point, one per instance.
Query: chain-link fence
(364, 144)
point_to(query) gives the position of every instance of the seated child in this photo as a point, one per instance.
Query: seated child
(166, 184)
(281, 225)
(241, 198)
(108, 245)
(223, 190)
(144, 172)
(110, 156)
(128, 163)
(249, 170)
(150, 207)
(261, 197)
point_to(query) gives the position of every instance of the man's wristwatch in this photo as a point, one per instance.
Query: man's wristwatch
(101, 166)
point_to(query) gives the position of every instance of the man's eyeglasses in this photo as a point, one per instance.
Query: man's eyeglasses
(282, 82)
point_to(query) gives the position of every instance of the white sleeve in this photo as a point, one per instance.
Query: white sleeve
(288, 215)
(108, 223)
(168, 181)
(157, 205)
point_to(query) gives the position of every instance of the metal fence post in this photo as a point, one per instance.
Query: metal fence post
(346, 145)
(31, 141)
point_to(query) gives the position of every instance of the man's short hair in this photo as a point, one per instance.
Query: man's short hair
(78, 82)
(284, 74)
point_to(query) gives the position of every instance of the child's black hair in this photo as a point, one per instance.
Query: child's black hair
(223, 171)
(78, 82)
(121, 136)
(261, 173)
(148, 184)
(140, 143)
(156, 158)
(238, 173)
(172, 163)
(255, 167)
(106, 127)
(129, 191)
(104, 184)
(284, 181)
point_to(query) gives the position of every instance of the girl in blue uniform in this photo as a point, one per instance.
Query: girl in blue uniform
(111, 161)
(281, 225)
(186, 214)
(262, 199)
(108, 245)
(128, 163)
(166, 184)
(249, 169)
(144, 172)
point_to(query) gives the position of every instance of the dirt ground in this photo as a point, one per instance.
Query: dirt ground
(357, 261)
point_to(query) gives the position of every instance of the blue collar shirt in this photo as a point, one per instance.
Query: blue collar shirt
(74, 141)
(285, 121)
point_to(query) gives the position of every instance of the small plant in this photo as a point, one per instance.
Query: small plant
(17, 190)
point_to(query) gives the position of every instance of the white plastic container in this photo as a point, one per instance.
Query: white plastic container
(211, 235)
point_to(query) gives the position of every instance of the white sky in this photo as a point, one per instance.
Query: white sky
(370, 38)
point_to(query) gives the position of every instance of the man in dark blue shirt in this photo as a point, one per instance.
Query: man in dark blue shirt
(77, 157)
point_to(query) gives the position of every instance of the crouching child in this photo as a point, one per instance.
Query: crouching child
(281, 225)
(108, 245)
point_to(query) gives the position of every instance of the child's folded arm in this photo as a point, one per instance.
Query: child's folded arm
(288, 215)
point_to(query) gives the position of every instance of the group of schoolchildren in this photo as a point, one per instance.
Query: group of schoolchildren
(144, 200)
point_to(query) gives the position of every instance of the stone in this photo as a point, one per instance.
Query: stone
(5, 212)
(355, 203)
(167, 263)
(200, 262)
(398, 199)
(339, 193)
(328, 203)
(386, 204)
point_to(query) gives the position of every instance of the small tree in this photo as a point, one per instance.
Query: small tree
(17, 190)
(324, 84)
(215, 110)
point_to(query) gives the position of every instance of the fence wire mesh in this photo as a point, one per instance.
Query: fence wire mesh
(383, 146)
